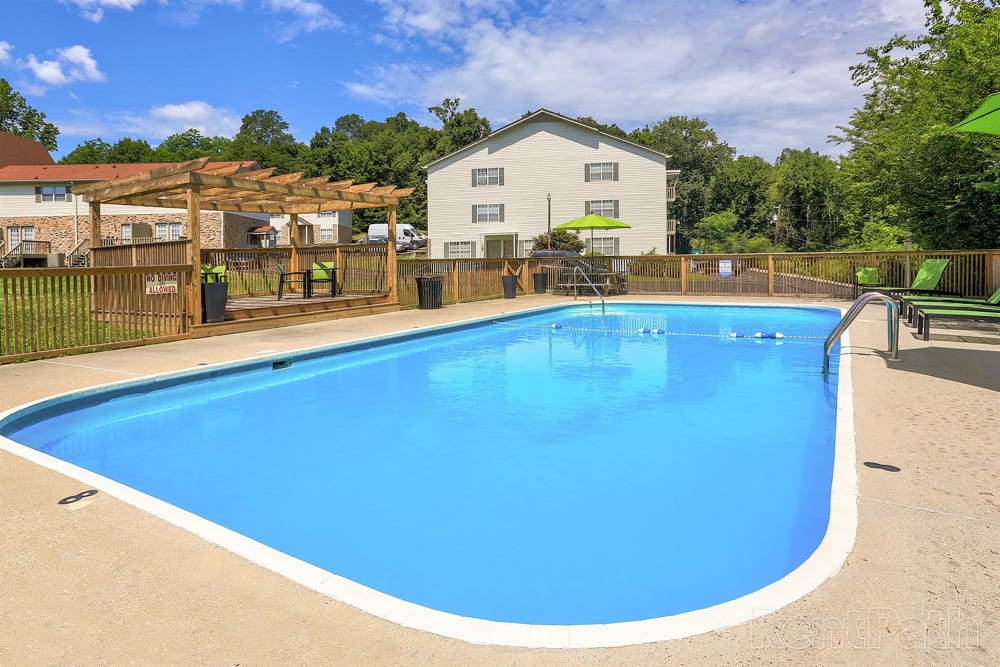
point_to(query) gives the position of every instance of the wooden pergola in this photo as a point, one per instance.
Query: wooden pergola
(197, 187)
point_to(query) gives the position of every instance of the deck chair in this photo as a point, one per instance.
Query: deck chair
(213, 274)
(925, 282)
(292, 278)
(924, 317)
(910, 304)
(323, 272)
(866, 276)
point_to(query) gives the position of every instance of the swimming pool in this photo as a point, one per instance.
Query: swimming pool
(561, 469)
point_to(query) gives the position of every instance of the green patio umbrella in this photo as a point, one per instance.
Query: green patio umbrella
(985, 119)
(593, 221)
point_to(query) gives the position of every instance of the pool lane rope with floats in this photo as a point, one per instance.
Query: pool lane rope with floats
(756, 335)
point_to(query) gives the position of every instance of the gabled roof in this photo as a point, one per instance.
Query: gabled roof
(75, 173)
(18, 150)
(543, 114)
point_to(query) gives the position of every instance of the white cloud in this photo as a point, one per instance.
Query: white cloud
(93, 10)
(162, 121)
(765, 75)
(5, 49)
(73, 63)
(304, 16)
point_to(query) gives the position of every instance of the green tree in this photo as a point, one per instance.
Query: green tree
(905, 167)
(562, 239)
(189, 145)
(719, 233)
(807, 188)
(130, 150)
(743, 187)
(695, 149)
(264, 137)
(18, 117)
(92, 151)
(459, 128)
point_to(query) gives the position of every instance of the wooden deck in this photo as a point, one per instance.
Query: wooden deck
(254, 313)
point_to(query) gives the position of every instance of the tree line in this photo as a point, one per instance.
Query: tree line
(905, 174)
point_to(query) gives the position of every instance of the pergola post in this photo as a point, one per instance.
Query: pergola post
(293, 240)
(95, 226)
(391, 262)
(194, 231)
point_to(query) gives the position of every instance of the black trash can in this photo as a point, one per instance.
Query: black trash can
(509, 286)
(429, 289)
(213, 301)
(541, 282)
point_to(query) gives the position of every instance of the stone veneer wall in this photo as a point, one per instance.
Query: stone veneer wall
(59, 229)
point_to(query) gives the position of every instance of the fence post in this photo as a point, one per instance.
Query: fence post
(770, 275)
(454, 274)
(684, 276)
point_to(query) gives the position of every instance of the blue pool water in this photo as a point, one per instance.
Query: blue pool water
(509, 471)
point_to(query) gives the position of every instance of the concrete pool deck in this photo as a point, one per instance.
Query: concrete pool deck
(100, 582)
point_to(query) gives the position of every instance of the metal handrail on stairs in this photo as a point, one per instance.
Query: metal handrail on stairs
(577, 269)
(891, 321)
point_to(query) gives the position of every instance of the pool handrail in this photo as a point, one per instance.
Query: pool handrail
(577, 269)
(891, 321)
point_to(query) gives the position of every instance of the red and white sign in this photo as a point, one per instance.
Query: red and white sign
(161, 283)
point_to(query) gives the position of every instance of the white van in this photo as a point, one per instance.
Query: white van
(407, 237)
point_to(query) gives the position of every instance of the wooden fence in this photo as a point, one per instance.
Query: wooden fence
(813, 275)
(46, 312)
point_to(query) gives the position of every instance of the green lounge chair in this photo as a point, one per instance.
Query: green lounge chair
(910, 304)
(925, 282)
(866, 277)
(323, 272)
(924, 317)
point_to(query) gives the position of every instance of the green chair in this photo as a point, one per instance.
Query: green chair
(323, 272)
(292, 278)
(910, 304)
(925, 315)
(866, 276)
(213, 274)
(925, 282)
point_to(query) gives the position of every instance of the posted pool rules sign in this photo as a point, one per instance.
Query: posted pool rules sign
(161, 283)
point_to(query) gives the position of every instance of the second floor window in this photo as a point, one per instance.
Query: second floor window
(325, 233)
(600, 171)
(327, 214)
(126, 232)
(487, 213)
(606, 207)
(487, 176)
(52, 193)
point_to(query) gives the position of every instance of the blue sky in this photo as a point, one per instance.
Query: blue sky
(765, 74)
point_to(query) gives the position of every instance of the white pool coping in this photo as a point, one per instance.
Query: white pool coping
(823, 563)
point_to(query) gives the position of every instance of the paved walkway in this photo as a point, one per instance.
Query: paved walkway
(101, 582)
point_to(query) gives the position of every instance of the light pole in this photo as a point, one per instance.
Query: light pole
(549, 198)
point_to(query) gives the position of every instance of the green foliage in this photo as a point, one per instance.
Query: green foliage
(130, 150)
(906, 168)
(264, 137)
(92, 151)
(695, 149)
(719, 233)
(18, 117)
(459, 128)
(189, 145)
(562, 239)
(806, 187)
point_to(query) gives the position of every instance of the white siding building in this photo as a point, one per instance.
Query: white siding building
(491, 198)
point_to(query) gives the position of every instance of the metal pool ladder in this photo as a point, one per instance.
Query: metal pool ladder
(577, 269)
(891, 322)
